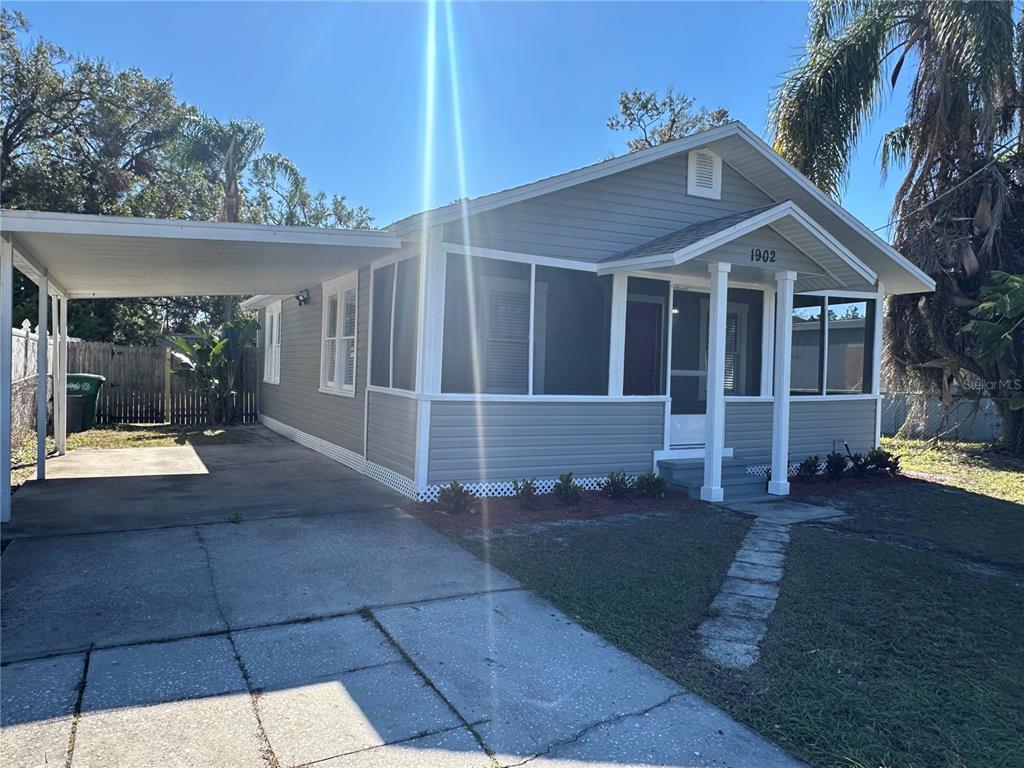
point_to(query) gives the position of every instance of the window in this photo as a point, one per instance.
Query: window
(338, 350)
(832, 346)
(272, 344)
(395, 324)
(571, 332)
(704, 174)
(486, 326)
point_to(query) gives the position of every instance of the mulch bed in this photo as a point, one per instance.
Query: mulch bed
(499, 512)
(825, 487)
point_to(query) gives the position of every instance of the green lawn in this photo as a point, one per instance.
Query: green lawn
(971, 466)
(886, 653)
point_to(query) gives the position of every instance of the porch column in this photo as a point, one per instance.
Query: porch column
(430, 343)
(714, 440)
(617, 348)
(6, 289)
(778, 485)
(61, 388)
(41, 374)
(55, 358)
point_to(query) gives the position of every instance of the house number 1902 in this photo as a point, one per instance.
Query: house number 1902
(764, 255)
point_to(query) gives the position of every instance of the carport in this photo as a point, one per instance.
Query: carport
(75, 256)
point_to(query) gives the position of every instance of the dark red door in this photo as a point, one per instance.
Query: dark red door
(642, 363)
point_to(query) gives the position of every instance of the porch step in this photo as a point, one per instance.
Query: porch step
(737, 482)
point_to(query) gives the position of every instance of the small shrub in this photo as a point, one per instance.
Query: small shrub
(525, 492)
(882, 460)
(567, 491)
(650, 485)
(455, 499)
(892, 465)
(859, 464)
(835, 465)
(807, 469)
(616, 486)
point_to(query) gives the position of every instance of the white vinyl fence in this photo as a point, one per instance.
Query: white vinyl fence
(24, 343)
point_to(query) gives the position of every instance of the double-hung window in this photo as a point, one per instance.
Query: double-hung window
(338, 336)
(272, 345)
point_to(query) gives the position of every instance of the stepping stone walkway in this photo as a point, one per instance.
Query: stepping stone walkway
(731, 635)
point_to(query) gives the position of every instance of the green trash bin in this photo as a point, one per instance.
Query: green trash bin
(85, 386)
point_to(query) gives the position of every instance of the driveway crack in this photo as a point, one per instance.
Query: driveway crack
(266, 749)
(77, 714)
(594, 726)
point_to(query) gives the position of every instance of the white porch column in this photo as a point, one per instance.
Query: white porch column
(431, 340)
(617, 347)
(6, 299)
(41, 374)
(55, 358)
(778, 485)
(61, 388)
(714, 441)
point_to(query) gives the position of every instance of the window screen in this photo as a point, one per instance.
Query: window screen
(383, 289)
(646, 336)
(808, 336)
(406, 310)
(850, 331)
(572, 323)
(486, 326)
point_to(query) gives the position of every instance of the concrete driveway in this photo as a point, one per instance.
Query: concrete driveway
(339, 632)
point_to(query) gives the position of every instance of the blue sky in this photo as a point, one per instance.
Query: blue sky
(341, 87)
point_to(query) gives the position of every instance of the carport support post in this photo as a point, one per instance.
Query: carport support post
(61, 390)
(714, 440)
(778, 484)
(41, 373)
(6, 298)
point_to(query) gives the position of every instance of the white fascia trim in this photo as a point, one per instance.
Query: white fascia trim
(263, 300)
(599, 170)
(128, 226)
(29, 264)
(522, 258)
(766, 218)
(759, 144)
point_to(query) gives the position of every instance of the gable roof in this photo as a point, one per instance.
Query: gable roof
(749, 156)
(681, 238)
(841, 268)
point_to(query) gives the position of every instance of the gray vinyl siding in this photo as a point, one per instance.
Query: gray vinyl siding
(391, 432)
(297, 400)
(606, 216)
(816, 427)
(490, 441)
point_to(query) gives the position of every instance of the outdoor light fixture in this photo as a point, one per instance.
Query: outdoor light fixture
(302, 297)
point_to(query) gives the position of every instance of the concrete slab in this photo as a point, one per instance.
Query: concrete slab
(37, 701)
(165, 705)
(194, 733)
(297, 654)
(518, 663)
(160, 672)
(456, 748)
(64, 594)
(736, 586)
(787, 512)
(683, 732)
(755, 572)
(253, 480)
(280, 570)
(759, 542)
(727, 604)
(731, 654)
(748, 555)
(733, 628)
(352, 712)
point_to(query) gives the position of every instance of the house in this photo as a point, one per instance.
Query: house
(699, 301)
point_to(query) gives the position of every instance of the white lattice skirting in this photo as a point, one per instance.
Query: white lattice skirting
(393, 480)
(504, 487)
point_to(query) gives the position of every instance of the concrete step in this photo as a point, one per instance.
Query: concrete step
(738, 483)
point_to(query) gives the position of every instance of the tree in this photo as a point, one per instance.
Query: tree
(957, 212)
(661, 119)
(224, 151)
(279, 194)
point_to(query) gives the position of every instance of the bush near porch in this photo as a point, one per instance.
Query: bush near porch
(898, 639)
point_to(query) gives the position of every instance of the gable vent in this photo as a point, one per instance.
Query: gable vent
(704, 174)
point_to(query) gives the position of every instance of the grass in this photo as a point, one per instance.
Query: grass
(128, 436)
(639, 580)
(878, 654)
(971, 466)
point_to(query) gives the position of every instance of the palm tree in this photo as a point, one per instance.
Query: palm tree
(225, 150)
(954, 213)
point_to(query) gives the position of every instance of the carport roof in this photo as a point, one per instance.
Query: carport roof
(87, 256)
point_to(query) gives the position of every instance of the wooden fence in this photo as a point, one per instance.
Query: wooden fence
(142, 388)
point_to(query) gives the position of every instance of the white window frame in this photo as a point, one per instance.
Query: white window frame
(272, 344)
(850, 297)
(339, 287)
(692, 189)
